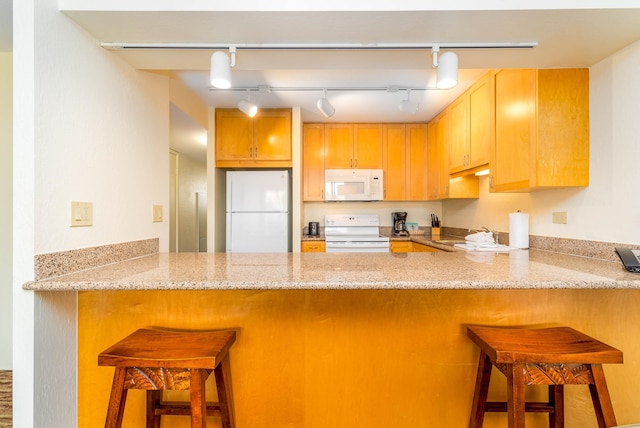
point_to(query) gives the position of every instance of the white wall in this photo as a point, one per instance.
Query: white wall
(86, 127)
(6, 206)
(102, 135)
(609, 209)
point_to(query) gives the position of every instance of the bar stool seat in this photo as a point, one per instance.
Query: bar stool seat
(157, 360)
(555, 357)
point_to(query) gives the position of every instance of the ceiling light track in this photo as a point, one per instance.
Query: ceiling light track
(319, 46)
(321, 89)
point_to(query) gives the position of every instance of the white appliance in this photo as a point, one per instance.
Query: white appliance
(257, 211)
(353, 185)
(359, 233)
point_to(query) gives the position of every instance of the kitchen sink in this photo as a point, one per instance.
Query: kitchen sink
(450, 241)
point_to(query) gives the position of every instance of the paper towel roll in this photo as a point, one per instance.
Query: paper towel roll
(519, 230)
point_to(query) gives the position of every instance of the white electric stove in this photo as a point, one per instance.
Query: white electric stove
(354, 233)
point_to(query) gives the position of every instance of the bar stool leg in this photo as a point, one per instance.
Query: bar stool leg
(198, 399)
(154, 397)
(515, 395)
(481, 391)
(556, 399)
(222, 374)
(117, 400)
(601, 398)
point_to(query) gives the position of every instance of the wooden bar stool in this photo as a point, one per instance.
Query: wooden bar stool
(550, 356)
(158, 360)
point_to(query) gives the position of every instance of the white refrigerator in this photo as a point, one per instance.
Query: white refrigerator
(257, 211)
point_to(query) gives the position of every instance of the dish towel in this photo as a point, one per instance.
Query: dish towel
(483, 241)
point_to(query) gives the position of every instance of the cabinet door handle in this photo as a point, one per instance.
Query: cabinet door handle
(255, 152)
(356, 164)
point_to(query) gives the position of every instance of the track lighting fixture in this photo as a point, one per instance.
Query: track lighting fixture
(220, 73)
(447, 65)
(325, 106)
(247, 107)
(407, 106)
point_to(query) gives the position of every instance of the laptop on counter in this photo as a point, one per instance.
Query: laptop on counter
(630, 258)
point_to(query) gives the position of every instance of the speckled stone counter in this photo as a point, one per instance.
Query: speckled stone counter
(521, 269)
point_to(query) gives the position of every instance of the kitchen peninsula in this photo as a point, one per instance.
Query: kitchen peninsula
(346, 340)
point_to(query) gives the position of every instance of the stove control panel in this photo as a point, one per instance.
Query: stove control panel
(352, 220)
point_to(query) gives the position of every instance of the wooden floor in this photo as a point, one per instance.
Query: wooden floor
(5, 398)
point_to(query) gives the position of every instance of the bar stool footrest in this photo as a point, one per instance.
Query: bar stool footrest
(501, 406)
(179, 408)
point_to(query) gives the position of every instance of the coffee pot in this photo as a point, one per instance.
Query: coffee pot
(400, 224)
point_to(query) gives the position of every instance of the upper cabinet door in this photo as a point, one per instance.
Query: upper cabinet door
(515, 123)
(416, 161)
(338, 145)
(480, 107)
(541, 130)
(394, 154)
(367, 146)
(459, 134)
(272, 135)
(313, 162)
(234, 139)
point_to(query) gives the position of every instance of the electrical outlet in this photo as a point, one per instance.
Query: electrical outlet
(559, 217)
(157, 213)
(81, 214)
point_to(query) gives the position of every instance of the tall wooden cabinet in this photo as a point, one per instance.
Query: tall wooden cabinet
(416, 156)
(440, 184)
(395, 161)
(261, 141)
(313, 162)
(470, 127)
(541, 130)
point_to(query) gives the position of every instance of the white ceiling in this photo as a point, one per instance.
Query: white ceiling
(566, 37)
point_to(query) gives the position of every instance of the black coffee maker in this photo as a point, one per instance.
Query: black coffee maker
(400, 224)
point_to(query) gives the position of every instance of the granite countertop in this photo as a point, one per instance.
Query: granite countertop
(438, 270)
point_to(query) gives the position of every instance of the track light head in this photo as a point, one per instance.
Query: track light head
(247, 107)
(325, 106)
(220, 71)
(447, 74)
(407, 106)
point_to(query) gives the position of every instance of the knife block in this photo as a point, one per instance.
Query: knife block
(435, 232)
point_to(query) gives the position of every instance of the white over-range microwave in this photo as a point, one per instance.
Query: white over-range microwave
(353, 185)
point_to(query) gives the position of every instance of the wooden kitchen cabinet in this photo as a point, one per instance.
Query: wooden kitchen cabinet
(405, 162)
(470, 128)
(261, 141)
(421, 248)
(416, 156)
(394, 154)
(541, 130)
(400, 246)
(353, 146)
(313, 246)
(313, 162)
(440, 184)
(398, 149)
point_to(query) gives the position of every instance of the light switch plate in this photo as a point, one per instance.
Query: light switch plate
(157, 213)
(559, 217)
(81, 214)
